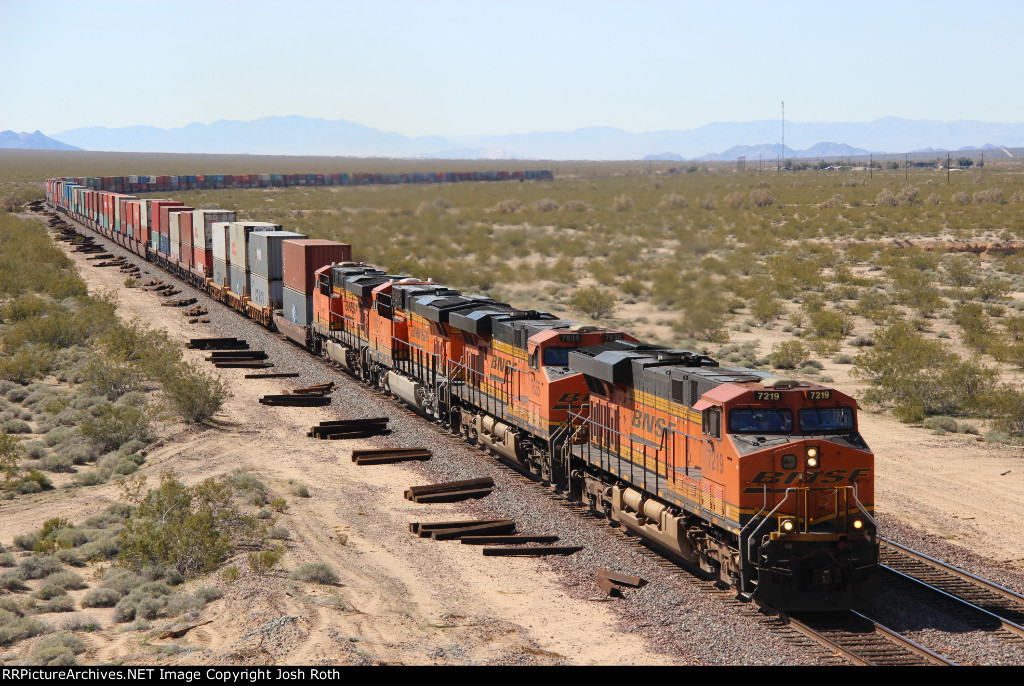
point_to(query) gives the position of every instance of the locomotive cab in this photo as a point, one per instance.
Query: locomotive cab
(805, 488)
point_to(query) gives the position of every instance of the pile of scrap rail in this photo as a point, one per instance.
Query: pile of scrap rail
(491, 533)
(312, 396)
(344, 429)
(239, 359)
(612, 583)
(217, 343)
(389, 455)
(451, 491)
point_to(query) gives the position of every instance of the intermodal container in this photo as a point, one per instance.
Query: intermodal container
(220, 272)
(238, 240)
(296, 307)
(264, 257)
(301, 258)
(238, 280)
(202, 226)
(220, 241)
(263, 292)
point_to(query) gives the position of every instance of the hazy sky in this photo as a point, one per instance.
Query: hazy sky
(459, 68)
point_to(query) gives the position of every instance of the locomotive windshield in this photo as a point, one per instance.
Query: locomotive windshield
(557, 357)
(816, 420)
(760, 420)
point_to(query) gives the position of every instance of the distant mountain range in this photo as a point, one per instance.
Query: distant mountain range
(31, 141)
(295, 135)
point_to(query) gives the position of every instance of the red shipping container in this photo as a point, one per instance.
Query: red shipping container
(301, 258)
(158, 222)
(202, 260)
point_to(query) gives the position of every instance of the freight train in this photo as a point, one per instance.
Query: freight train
(763, 483)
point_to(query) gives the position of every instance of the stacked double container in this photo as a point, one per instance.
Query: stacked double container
(168, 247)
(220, 248)
(151, 223)
(202, 240)
(266, 271)
(238, 253)
(300, 261)
(181, 236)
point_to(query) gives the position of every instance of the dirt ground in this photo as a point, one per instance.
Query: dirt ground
(390, 598)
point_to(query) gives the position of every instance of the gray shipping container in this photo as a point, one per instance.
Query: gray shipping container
(264, 293)
(265, 253)
(220, 272)
(238, 241)
(202, 226)
(297, 307)
(239, 280)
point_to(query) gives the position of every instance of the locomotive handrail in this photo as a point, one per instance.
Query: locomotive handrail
(767, 519)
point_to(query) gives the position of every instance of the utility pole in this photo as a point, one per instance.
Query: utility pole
(783, 137)
(871, 166)
(906, 167)
(982, 165)
(947, 167)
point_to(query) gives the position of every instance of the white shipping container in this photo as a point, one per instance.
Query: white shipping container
(220, 241)
(202, 225)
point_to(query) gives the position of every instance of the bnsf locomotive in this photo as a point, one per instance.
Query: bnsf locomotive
(762, 482)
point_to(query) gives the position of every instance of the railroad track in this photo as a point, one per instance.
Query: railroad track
(980, 603)
(864, 642)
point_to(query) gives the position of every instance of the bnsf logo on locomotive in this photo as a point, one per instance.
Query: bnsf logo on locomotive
(832, 476)
(648, 422)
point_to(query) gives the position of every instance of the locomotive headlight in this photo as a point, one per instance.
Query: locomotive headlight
(787, 525)
(857, 524)
(812, 458)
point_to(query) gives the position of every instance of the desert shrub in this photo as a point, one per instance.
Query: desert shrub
(70, 557)
(194, 396)
(576, 206)
(673, 201)
(123, 581)
(180, 604)
(7, 560)
(49, 651)
(34, 450)
(830, 324)
(300, 491)
(919, 376)
(544, 205)
(62, 603)
(68, 580)
(886, 198)
(93, 477)
(317, 573)
(265, 560)
(48, 591)
(57, 435)
(994, 195)
(843, 359)
(58, 463)
(279, 533)
(112, 378)
(766, 307)
(16, 426)
(707, 202)
(787, 355)
(192, 529)
(14, 629)
(961, 198)
(36, 566)
(81, 622)
(761, 198)
(622, 203)
(209, 593)
(508, 206)
(12, 581)
(593, 302)
(947, 424)
(118, 424)
(125, 610)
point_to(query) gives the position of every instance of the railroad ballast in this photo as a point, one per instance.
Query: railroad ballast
(763, 483)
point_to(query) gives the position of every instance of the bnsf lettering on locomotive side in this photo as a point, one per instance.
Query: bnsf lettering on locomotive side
(648, 422)
(571, 398)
